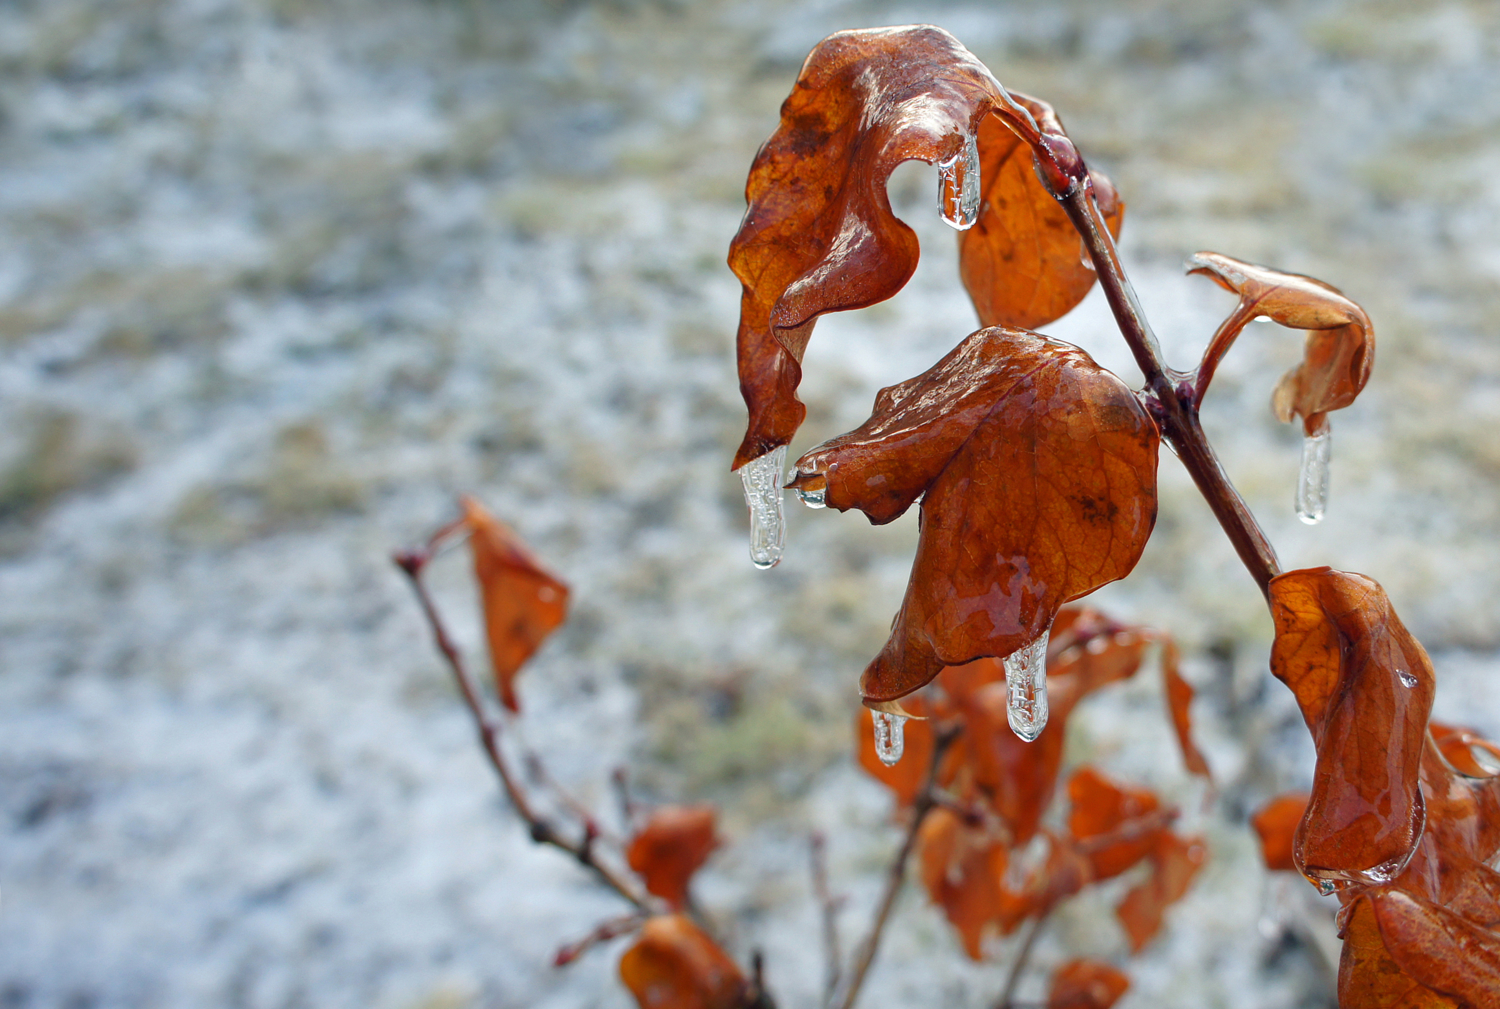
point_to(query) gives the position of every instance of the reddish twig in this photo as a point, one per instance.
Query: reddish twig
(602, 933)
(412, 563)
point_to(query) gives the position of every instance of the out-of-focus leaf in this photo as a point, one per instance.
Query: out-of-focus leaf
(1095, 650)
(674, 844)
(674, 965)
(523, 602)
(1022, 262)
(962, 868)
(1368, 976)
(1174, 862)
(1016, 778)
(1101, 805)
(1276, 824)
(1039, 474)
(1179, 700)
(905, 777)
(1340, 347)
(1365, 687)
(1087, 984)
(1438, 948)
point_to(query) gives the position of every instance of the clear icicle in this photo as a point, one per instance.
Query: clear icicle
(958, 186)
(1026, 687)
(1312, 481)
(762, 479)
(890, 736)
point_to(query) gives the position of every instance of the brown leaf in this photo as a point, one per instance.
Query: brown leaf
(1087, 984)
(1100, 806)
(1438, 948)
(1368, 976)
(1365, 688)
(523, 602)
(1458, 746)
(1276, 823)
(1340, 346)
(1039, 474)
(1015, 777)
(674, 965)
(962, 868)
(1023, 262)
(1174, 862)
(818, 233)
(907, 776)
(1179, 700)
(674, 844)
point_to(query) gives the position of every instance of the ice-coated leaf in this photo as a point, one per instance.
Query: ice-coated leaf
(1039, 474)
(1340, 345)
(1022, 262)
(674, 965)
(523, 602)
(1438, 948)
(1087, 984)
(1368, 976)
(673, 844)
(1365, 687)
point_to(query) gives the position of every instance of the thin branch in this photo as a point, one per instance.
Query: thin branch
(1019, 964)
(896, 874)
(1171, 397)
(1131, 830)
(412, 562)
(829, 904)
(603, 932)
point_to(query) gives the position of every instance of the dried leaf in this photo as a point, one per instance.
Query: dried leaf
(1368, 976)
(1179, 700)
(1276, 823)
(1101, 806)
(1340, 346)
(1438, 948)
(1087, 984)
(523, 602)
(1023, 262)
(1039, 474)
(1365, 688)
(962, 868)
(1174, 862)
(674, 965)
(907, 776)
(674, 844)
(1458, 746)
(1016, 778)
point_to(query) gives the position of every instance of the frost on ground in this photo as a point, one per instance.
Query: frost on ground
(281, 278)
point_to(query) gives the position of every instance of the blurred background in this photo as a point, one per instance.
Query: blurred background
(280, 278)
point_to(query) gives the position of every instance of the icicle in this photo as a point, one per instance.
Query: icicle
(1312, 481)
(890, 736)
(1026, 687)
(1083, 255)
(958, 186)
(762, 479)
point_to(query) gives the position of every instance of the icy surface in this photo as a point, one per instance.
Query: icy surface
(283, 277)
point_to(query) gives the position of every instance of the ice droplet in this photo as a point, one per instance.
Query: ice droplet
(1407, 679)
(1312, 481)
(890, 736)
(762, 479)
(1083, 255)
(958, 186)
(1026, 687)
(1326, 887)
(814, 498)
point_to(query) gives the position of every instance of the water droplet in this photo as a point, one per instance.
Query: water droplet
(890, 736)
(814, 498)
(1326, 886)
(1407, 679)
(1312, 481)
(1026, 687)
(762, 479)
(958, 186)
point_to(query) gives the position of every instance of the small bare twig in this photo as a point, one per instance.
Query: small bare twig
(412, 563)
(539, 775)
(896, 875)
(622, 792)
(829, 904)
(1019, 964)
(603, 932)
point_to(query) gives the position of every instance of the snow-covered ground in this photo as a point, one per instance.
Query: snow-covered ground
(279, 278)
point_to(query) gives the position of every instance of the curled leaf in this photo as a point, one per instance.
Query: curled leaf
(1179, 700)
(1340, 346)
(523, 602)
(674, 844)
(1365, 687)
(1459, 746)
(674, 965)
(1276, 824)
(1087, 984)
(1022, 261)
(1174, 862)
(1039, 474)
